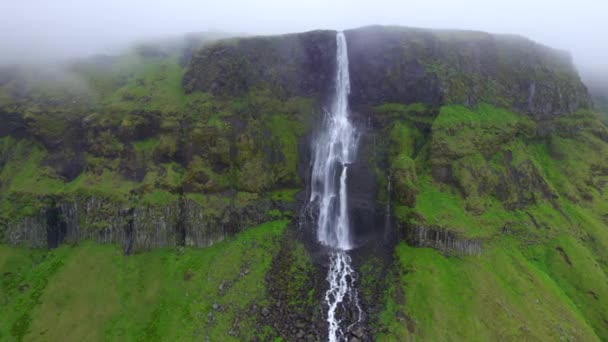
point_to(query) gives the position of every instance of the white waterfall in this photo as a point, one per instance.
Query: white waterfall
(334, 150)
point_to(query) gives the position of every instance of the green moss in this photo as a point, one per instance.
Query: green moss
(24, 170)
(454, 116)
(459, 131)
(285, 133)
(212, 204)
(216, 121)
(158, 197)
(403, 138)
(107, 184)
(254, 177)
(286, 195)
(146, 146)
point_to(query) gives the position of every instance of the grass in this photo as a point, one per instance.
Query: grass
(160, 295)
(500, 296)
(444, 207)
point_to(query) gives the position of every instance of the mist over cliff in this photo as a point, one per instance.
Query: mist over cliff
(42, 31)
(156, 185)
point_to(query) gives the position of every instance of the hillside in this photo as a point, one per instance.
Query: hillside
(162, 193)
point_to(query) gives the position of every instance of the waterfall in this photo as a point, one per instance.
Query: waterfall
(333, 151)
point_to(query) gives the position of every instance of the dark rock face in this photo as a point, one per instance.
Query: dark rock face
(406, 65)
(397, 64)
(290, 65)
(56, 227)
(12, 124)
(365, 216)
(440, 239)
(385, 66)
(139, 227)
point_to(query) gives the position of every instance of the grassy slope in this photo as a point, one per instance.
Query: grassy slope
(543, 271)
(498, 296)
(94, 292)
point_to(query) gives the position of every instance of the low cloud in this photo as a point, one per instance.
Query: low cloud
(40, 30)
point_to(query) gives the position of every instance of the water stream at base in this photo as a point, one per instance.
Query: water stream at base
(334, 151)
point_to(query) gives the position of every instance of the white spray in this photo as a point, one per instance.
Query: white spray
(334, 150)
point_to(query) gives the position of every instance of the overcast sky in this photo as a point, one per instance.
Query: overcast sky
(41, 29)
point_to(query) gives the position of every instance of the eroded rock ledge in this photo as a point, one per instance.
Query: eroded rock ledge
(442, 240)
(139, 227)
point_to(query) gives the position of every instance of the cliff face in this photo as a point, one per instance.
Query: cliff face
(395, 64)
(114, 150)
(238, 118)
(140, 227)
(481, 147)
(290, 65)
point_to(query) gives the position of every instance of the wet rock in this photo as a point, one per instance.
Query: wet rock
(291, 65)
(72, 219)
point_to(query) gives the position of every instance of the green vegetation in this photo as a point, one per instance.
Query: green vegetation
(500, 164)
(501, 295)
(183, 294)
(536, 200)
(286, 195)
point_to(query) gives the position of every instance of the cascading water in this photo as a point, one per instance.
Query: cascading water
(334, 150)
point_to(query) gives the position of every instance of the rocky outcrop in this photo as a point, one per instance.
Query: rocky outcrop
(138, 227)
(12, 124)
(386, 67)
(441, 239)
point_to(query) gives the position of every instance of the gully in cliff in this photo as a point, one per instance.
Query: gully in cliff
(333, 151)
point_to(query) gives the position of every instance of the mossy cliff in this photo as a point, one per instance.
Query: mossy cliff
(396, 64)
(479, 191)
(117, 148)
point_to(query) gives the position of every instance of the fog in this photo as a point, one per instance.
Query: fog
(44, 30)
